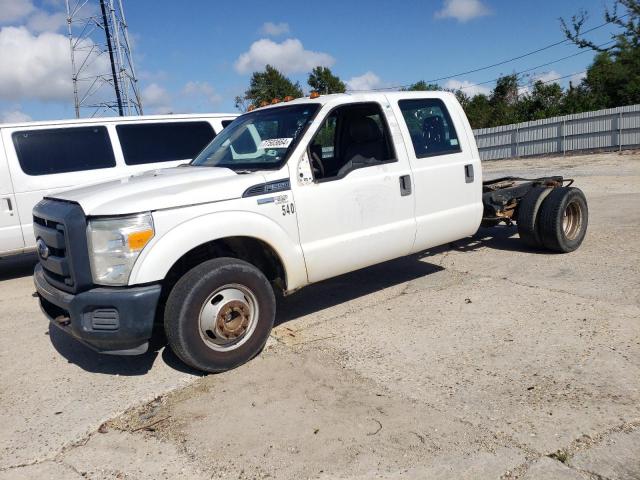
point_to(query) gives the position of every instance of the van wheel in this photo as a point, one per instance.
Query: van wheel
(563, 219)
(528, 216)
(219, 314)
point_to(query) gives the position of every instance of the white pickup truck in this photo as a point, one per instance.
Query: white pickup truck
(289, 194)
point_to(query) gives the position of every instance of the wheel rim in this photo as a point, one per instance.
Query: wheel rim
(228, 317)
(572, 220)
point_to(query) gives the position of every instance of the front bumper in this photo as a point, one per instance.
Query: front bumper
(117, 321)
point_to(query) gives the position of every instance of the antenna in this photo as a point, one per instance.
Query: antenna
(103, 74)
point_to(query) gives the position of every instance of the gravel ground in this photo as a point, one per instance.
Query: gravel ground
(482, 359)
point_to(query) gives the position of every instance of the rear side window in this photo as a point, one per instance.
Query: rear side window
(430, 126)
(63, 150)
(163, 142)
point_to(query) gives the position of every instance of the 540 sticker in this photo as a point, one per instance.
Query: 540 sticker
(288, 209)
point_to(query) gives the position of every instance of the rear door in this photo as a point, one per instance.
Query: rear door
(11, 239)
(446, 168)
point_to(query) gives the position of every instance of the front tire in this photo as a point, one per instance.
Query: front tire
(219, 314)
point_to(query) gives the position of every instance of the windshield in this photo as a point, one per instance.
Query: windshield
(258, 140)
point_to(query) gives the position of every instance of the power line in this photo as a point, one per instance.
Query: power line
(497, 64)
(536, 67)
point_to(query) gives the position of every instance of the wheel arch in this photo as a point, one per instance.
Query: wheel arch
(248, 236)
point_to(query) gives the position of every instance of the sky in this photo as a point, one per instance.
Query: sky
(197, 55)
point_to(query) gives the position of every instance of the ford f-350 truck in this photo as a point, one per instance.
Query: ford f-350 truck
(289, 194)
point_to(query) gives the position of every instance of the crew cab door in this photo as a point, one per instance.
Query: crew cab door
(446, 168)
(352, 190)
(11, 239)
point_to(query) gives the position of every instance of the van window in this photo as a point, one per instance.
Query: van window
(226, 123)
(430, 126)
(163, 142)
(63, 150)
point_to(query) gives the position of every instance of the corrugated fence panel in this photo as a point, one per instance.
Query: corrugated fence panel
(609, 129)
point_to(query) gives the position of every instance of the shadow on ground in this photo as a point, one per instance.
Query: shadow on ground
(17, 266)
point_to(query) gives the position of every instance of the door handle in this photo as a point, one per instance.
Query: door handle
(468, 173)
(9, 209)
(405, 185)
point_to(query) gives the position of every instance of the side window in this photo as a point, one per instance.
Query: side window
(63, 150)
(351, 137)
(163, 142)
(430, 126)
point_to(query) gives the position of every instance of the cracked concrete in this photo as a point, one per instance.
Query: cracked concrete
(482, 360)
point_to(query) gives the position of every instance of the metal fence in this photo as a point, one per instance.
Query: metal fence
(609, 129)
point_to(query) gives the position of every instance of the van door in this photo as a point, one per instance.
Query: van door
(446, 169)
(359, 208)
(11, 240)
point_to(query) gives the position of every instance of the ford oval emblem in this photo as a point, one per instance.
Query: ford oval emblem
(42, 248)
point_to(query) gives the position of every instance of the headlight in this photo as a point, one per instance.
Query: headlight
(114, 246)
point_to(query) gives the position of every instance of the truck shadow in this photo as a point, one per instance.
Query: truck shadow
(347, 287)
(17, 266)
(502, 237)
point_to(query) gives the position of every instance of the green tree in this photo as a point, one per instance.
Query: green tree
(422, 86)
(504, 101)
(613, 79)
(544, 100)
(322, 80)
(265, 86)
(479, 111)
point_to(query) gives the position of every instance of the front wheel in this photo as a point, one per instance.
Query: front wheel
(219, 314)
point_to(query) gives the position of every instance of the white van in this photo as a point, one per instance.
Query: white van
(42, 158)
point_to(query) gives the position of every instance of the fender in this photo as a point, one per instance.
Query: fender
(166, 248)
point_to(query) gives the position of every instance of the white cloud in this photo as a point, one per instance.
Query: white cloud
(274, 29)
(288, 57)
(546, 77)
(201, 89)
(15, 10)
(34, 66)
(155, 99)
(467, 87)
(366, 81)
(42, 21)
(14, 116)
(463, 10)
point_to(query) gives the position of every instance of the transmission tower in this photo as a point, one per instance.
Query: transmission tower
(104, 77)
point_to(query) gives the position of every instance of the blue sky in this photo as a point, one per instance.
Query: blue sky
(197, 55)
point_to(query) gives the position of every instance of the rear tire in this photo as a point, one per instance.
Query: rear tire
(564, 217)
(219, 314)
(528, 225)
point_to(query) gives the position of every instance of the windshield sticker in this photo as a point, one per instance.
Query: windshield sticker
(276, 143)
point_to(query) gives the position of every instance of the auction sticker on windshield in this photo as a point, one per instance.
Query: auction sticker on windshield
(276, 143)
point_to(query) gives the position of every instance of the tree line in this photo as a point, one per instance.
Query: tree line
(612, 79)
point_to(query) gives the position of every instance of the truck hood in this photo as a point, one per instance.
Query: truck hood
(161, 189)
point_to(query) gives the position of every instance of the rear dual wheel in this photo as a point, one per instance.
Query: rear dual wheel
(554, 218)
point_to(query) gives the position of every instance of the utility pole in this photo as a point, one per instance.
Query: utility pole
(103, 73)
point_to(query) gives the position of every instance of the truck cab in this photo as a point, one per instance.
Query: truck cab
(287, 195)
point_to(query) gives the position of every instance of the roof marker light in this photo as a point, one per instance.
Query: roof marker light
(288, 98)
(314, 94)
(275, 100)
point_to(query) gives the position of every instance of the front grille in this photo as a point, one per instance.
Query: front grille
(61, 243)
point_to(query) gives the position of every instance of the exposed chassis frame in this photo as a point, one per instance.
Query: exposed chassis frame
(502, 196)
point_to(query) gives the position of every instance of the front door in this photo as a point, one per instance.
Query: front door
(11, 240)
(357, 207)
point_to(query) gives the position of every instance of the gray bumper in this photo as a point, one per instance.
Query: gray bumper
(118, 321)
